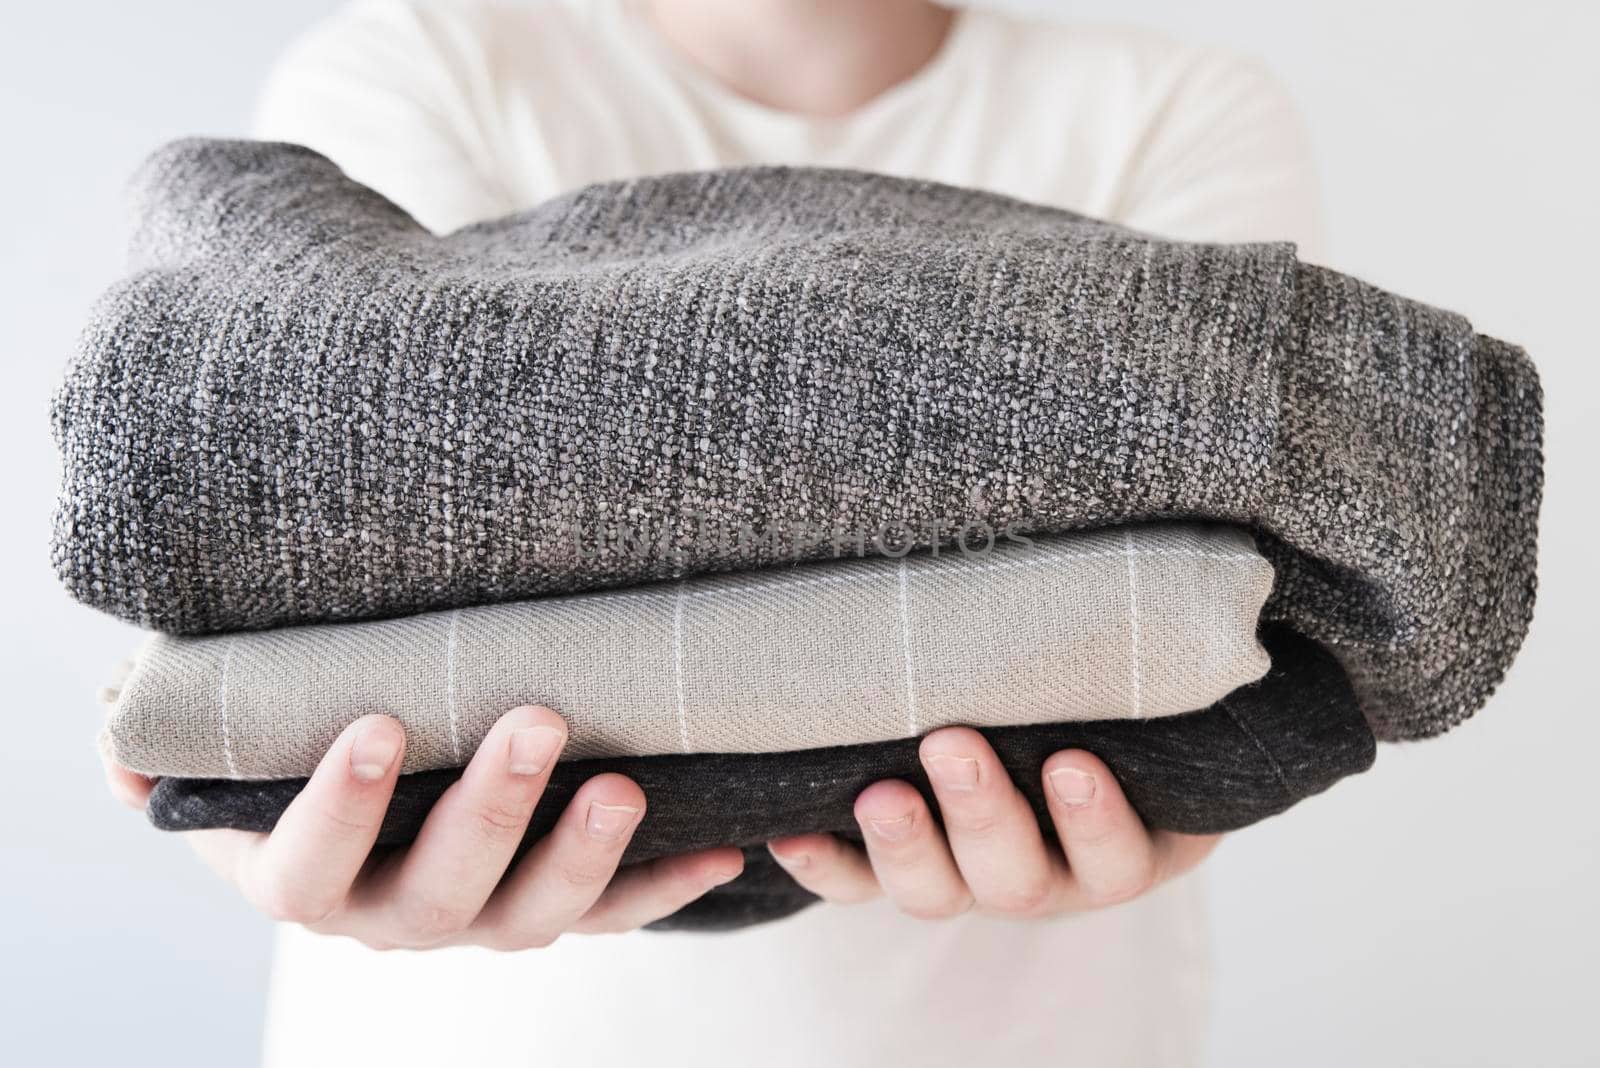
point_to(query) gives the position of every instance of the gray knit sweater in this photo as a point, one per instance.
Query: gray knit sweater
(302, 406)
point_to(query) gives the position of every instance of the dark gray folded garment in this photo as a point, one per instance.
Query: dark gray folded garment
(304, 407)
(1250, 756)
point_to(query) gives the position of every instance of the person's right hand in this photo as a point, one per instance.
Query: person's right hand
(452, 886)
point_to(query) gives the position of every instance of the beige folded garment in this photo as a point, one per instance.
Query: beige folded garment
(1133, 622)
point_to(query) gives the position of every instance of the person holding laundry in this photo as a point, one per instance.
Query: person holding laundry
(1094, 948)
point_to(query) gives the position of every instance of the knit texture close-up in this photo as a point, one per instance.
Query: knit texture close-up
(302, 407)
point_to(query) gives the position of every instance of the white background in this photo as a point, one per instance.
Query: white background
(1439, 910)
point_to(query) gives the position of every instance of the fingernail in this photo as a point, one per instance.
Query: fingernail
(953, 772)
(531, 749)
(892, 830)
(608, 822)
(373, 753)
(795, 860)
(1072, 787)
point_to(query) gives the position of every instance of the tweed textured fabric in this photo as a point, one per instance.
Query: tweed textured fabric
(1150, 620)
(1253, 754)
(303, 407)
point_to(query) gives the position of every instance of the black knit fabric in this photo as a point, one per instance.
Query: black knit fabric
(1251, 755)
(305, 407)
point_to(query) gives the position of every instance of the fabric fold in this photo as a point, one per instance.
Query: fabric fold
(1140, 622)
(304, 408)
(1255, 753)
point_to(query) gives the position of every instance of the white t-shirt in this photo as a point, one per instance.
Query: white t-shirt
(461, 110)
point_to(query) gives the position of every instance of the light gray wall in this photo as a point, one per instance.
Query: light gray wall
(1437, 911)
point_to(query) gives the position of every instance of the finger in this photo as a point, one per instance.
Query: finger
(438, 886)
(908, 852)
(832, 869)
(993, 833)
(128, 787)
(1113, 858)
(303, 870)
(223, 851)
(644, 893)
(1177, 854)
(567, 870)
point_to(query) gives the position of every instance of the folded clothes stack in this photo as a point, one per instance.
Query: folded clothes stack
(758, 475)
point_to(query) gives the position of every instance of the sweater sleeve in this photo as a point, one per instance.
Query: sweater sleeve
(384, 90)
(1226, 159)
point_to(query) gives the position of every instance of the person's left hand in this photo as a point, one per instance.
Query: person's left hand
(990, 852)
